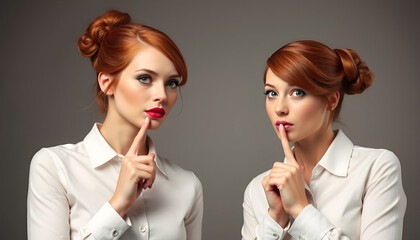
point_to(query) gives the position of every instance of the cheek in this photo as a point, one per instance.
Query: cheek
(172, 97)
(269, 108)
(312, 111)
(132, 94)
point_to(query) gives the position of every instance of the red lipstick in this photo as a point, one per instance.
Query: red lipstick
(285, 124)
(156, 112)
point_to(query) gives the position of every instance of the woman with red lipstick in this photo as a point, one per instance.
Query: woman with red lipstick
(326, 188)
(113, 184)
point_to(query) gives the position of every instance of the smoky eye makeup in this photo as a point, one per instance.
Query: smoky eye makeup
(144, 78)
(173, 83)
(270, 93)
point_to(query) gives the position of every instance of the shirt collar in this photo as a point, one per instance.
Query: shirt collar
(337, 158)
(100, 152)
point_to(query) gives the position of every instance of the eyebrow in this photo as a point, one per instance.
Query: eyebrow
(269, 85)
(156, 74)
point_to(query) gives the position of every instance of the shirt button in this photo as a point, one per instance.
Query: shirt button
(115, 233)
(143, 229)
(276, 236)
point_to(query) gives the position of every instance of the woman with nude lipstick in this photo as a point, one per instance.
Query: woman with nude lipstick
(113, 184)
(327, 187)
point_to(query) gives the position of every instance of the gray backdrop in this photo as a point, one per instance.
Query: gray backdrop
(220, 130)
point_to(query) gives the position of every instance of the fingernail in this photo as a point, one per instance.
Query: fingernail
(146, 119)
(281, 127)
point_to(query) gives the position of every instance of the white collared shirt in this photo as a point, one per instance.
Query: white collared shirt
(354, 193)
(70, 186)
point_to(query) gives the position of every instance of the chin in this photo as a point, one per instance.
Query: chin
(155, 124)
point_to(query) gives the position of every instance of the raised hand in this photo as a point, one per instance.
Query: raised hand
(292, 187)
(287, 180)
(137, 173)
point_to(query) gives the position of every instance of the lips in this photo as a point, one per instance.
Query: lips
(286, 125)
(156, 112)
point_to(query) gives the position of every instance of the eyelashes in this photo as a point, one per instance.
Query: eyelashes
(172, 83)
(147, 79)
(270, 93)
(296, 93)
(144, 78)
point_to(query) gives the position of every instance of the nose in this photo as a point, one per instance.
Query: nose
(159, 93)
(282, 107)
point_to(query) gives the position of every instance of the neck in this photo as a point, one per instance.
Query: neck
(119, 133)
(309, 151)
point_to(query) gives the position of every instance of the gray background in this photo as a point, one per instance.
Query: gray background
(220, 130)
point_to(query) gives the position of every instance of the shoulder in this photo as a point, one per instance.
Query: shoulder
(254, 188)
(257, 180)
(53, 157)
(375, 157)
(378, 164)
(176, 174)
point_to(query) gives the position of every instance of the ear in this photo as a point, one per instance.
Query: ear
(333, 100)
(104, 81)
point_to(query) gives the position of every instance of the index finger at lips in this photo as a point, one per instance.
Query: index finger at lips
(286, 147)
(135, 146)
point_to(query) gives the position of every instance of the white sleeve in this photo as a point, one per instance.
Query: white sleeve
(49, 208)
(267, 229)
(310, 224)
(106, 224)
(384, 202)
(193, 221)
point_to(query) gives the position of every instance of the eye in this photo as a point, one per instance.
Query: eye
(298, 93)
(144, 78)
(270, 93)
(172, 83)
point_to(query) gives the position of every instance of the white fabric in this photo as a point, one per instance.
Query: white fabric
(354, 193)
(70, 186)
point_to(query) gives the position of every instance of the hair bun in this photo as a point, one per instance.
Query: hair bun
(91, 40)
(357, 75)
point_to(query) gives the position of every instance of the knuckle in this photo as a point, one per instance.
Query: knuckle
(133, 172)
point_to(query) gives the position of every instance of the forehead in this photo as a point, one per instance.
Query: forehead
(150, 58)
(273, 80)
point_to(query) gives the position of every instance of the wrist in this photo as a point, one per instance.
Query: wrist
(281, 217)
(119, 208)
(295, 213)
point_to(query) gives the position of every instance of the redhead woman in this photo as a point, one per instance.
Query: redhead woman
(113, 184)
(326, 187)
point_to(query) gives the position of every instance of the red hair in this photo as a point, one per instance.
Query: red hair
(320, 70)
(112, 40)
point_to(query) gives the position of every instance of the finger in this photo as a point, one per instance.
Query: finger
(276, 183)
(152, 155)
(288, 153)
(149, 182)
(138, 140)
(139, 159)
(265, 180)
